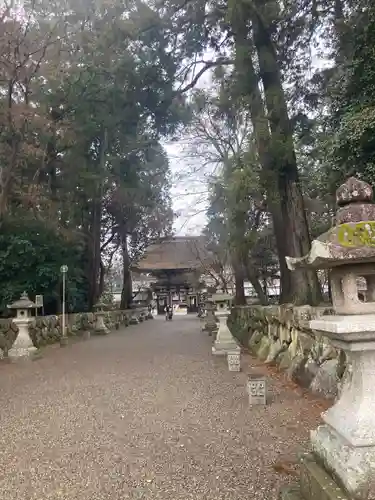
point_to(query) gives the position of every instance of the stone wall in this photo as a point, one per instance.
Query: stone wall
(280, 336)
(46, 330)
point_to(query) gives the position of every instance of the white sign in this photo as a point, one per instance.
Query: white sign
(64, 269)
(39, 300)
(256, 387)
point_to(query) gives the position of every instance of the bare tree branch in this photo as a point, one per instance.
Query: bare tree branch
(207, 65)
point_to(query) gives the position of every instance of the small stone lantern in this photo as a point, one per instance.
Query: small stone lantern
(23, 346)
(149, 313)
(345, 444)
(133, 318)
(100, 327)
(224, 342)
(141, 316)
(210, 319)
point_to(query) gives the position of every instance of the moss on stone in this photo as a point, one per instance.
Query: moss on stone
(255, 340)
(263, 348)
(281, 335)
(47, 329)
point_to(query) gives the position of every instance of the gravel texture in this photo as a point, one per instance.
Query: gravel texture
(146, 413)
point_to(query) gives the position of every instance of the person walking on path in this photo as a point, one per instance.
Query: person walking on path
(168, 312)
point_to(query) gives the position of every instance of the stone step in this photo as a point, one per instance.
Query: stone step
(315, 484)
(290, 493)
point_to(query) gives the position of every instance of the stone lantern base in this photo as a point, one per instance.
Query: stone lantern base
(344, 446)
(133, 320)
(23, 347)
(224, 342)
(100, 327)
(64, 341)
(355, 466)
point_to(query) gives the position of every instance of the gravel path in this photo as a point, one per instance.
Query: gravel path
(145, 413)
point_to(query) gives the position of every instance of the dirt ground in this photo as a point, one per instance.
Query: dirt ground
(147, 413)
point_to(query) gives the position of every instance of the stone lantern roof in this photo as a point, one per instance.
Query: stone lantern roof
(352, 240)
(100, 306)
(22, 303)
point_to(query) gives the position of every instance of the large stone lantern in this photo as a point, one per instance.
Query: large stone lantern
(224, 342)
(345, 444)
(23, 346)
(100, 327)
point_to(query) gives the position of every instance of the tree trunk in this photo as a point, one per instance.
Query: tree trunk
(237, 230)
(285, 274)
(95, 232)
(248, 91)
(94, 252)
(257, 286)
(127, 291)
(101, 279)
(305, 288)
(239, 278)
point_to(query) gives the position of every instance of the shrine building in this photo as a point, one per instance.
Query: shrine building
(176, 264)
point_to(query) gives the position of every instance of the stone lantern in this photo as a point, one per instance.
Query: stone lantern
(210, 319)
(149, 313)
(223, 302)
(141, 316)
(100, 327)
(345, 444)
(133, 318)
(23, 346)
(224, 342)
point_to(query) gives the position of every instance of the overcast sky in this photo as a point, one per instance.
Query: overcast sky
(189, 192)
(189, 196)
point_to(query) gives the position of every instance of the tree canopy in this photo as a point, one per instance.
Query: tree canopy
(87, 94)
(90, 90)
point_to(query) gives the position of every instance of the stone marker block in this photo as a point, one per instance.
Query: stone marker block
(234, 361)
(256, 388)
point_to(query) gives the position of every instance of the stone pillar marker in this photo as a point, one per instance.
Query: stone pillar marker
(224, 342)
(100, 327)
(23, 346)
(345, 443)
